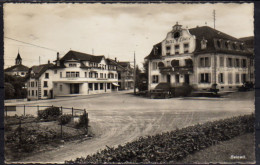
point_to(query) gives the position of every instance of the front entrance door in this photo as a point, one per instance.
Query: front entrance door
(168, 78)
(187, 79)
(74, 88)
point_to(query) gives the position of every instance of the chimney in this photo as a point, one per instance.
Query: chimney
(115, 59)
(48, 61)
(58, 56)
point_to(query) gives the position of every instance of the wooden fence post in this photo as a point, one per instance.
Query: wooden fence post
(24, 109)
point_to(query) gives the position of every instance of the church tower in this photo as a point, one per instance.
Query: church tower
(18, 60)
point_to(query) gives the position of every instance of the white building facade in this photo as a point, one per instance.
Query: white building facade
(77, 73)
(201, 57)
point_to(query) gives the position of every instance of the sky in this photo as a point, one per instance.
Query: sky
(113, 30)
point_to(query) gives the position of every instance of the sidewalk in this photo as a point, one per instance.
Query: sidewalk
(61, 98)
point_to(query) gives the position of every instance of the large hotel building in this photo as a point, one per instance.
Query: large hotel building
(201, 57)
(75, 73)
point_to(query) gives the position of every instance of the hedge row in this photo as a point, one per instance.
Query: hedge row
(175, 145)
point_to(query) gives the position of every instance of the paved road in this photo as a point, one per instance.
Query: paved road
(120, 117)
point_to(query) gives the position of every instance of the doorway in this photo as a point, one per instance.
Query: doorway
(187, 78)
(74, 88)
(168, 78)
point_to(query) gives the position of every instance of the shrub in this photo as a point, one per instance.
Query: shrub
(175, 145)
(9, 90)
(51, 113)
(83, 120)
(64, 119)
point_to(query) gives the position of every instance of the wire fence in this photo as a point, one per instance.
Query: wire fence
(27, 124)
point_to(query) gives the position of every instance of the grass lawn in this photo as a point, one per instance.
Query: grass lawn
(243, 145)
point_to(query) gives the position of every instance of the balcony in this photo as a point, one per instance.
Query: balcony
(176, 70)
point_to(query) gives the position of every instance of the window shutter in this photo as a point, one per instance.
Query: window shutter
(209, 78)
(223, 77)
(209, 62)
(199, 78)
(219, 78)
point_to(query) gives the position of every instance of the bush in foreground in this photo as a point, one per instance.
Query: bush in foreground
(173, 146)
(51, 113)
(64, 119)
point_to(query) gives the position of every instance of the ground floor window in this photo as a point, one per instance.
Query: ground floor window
(221, 78)
(177, 78)
(108, 85)
(32, 92)
(101, 86)
(205, 78)
(96, 86)
(45, 93)
(230, 80)
(90, 86)
(243, 78)
(237, 78)
(155, 79)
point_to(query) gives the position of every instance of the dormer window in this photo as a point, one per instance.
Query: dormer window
(203, 44)
(72, 65)
(234, 46)
(219, 43)
(242, 46)
(176, 35)
(226, 44)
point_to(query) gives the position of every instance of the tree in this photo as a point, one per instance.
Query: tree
(9, 91)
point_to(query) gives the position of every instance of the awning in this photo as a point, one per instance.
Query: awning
(115, 84)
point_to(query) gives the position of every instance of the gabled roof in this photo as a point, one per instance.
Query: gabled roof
(16, 68)
(81, 57)
(38, 70)
(206, 33)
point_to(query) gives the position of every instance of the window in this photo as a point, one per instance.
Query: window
(72, 74)
(77, 74)
(205, 78)
(45, 84)
(101, 75)
(32, 84)
(244, 63)
(45, 93)
(108, 85)
(55, 71)
(90, 86)
(86, 74)
(105, 75)
(237, 78)
(226, 44)
(237, 63)
(205, 62)
(186, 48)
(35, 83)
(96, 75)
(188, 62)
(221, 78)
(22, 73)
(221, 61)
(230, 80)
(168, 50)
(96, 86)
(28, 84)
(46, 75)
(177, 78)
(154, 65)
(155, 79)
(175, 63)
(177, 47)
(60, 87)
(28, 92)
(243, 78)
(119, 76)
(60, 74)
(219, 43)
(35, 92)
(101, 86)
(32, 92)
(229, 62)
(67, 74)
(72, 65)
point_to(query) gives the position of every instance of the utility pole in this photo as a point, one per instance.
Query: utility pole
(134, 75)
(214, 18)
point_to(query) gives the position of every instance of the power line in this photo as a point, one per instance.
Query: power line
(31, 44)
